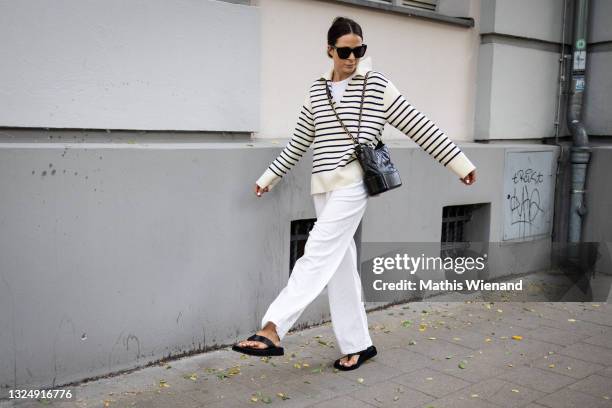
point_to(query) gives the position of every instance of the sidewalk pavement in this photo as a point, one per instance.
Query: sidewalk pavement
(430, 354)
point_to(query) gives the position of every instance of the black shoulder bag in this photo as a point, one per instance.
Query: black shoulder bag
(380, 174)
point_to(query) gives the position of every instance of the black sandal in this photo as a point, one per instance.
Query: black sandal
(271, 350)
(363, 356)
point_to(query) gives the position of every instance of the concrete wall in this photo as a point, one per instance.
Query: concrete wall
(519, 67)
(144, 64)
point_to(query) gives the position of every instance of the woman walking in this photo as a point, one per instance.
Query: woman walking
(339, 194)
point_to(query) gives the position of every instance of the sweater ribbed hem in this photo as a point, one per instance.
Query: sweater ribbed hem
(461, 165)
(340, 177)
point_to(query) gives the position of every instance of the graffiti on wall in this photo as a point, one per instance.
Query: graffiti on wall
(528, 188)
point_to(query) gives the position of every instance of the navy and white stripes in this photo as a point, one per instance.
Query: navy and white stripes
(334, 163)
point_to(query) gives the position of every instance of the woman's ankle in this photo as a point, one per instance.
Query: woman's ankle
(270, 328)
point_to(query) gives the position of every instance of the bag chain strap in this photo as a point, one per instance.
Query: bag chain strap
(357, 144)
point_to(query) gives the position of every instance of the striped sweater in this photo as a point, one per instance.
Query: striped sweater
(334, 163)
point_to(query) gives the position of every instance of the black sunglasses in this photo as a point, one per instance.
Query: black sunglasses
(345, 52)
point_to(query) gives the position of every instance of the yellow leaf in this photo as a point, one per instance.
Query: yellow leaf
(515, 390)
(282, 395)
(517, 337)
(360, 380)
(571, 320)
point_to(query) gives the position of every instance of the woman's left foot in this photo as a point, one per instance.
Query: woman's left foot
(352, 361)
(347, 362)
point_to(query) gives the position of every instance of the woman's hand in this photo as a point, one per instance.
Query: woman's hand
(470, 178)
(259, 191)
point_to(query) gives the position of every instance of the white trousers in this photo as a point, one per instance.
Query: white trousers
(330, 258)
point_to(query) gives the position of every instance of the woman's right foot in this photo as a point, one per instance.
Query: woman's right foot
(271, 334)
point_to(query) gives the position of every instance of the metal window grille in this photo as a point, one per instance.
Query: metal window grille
(454, 218)
(299, 235)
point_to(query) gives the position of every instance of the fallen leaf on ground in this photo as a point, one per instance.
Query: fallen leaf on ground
(282, 395)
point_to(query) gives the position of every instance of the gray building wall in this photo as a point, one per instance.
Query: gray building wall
(113, 64)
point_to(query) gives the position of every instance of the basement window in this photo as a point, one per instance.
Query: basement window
(454, 220)
(300, 230)
(299, 235)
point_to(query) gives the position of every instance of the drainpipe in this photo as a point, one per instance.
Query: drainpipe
(580, 152)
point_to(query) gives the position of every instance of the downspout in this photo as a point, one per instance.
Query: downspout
(580, 152)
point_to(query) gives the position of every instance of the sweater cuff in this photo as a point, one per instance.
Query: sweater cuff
(461, 165)
(268, 179)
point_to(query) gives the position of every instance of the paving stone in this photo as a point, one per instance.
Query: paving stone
(392, 394)
(432, 382)
(595, 385)
(310, 391)
(451, 401)
(436, 348)
(606, 372)
(384, 341)
(371, 372)
(500, 392)
(595, 316)
(579, 326)
(496, 329)
(257, 377)
(559, 363)
(292, 393)
(344, 401)
(211, 391)
(556, 336)
(588, 352)
(537, 378)
(475, 369)
(603, 340)
(330, 380)
(568, 398)
(402, 359)
(464, 337)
